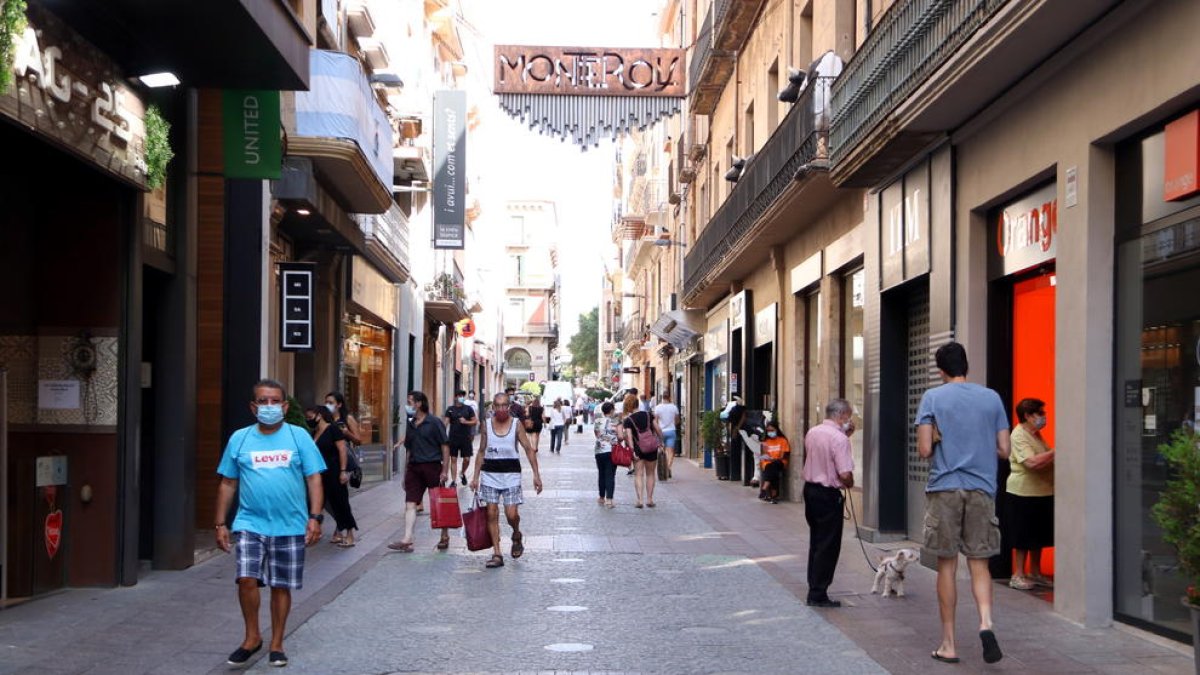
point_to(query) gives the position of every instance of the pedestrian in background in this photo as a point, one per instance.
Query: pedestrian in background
(516, 410)
(428, 465)
(963, 427)
(608, 433)
(644, 436)
(336, 477)
(275, 470)
(1029, 502)
(568, 413)
(498, 476)
(537, 420)
(555, 416)
(346, 423)
(774, 454)
(461, 422)
(828, 469)
(667, 415)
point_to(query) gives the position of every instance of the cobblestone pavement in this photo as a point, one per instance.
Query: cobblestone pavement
(712, 580)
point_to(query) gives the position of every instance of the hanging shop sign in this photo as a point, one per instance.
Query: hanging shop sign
(1024, 232)
(585, 94)
(70, 92)
(765, 323)
(450, 170)
(737, 311)
(297, 290)
(252, 134)
(716, 341)
(586, 71)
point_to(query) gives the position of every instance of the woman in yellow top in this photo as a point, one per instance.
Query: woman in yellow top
(773, 460)
(1030, 498)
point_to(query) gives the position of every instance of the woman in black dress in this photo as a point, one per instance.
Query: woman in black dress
(332, 444)
(536, 419)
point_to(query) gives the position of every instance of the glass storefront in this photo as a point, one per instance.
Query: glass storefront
(366, 377)
(1157, 387)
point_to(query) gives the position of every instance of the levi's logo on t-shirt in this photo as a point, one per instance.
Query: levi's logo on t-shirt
(270, 459)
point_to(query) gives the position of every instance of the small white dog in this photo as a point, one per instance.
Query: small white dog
(891, 572)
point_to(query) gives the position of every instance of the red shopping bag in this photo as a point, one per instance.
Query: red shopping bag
(475, 526)
(443, 508)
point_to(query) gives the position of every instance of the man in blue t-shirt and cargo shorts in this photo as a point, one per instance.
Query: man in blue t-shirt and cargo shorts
(274, 468)
(963, 427)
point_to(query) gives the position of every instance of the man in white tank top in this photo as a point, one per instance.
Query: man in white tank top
(498, 474)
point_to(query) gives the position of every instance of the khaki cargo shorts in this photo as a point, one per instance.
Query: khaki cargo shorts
(961, 521)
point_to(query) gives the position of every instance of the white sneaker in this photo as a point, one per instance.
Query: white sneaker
(1020, 583)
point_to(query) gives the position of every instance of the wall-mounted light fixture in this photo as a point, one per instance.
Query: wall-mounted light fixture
(159, 80)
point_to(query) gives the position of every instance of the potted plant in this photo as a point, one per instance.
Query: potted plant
(1177, 512)
(710, 435)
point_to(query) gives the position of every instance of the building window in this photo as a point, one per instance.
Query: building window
(853, 386)
(773, 88)
(516, 229)
(748, 131)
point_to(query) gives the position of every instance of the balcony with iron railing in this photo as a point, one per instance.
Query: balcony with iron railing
(794, 152)
(633, 332)
(725, 29)
(931, 65)
(446, 298)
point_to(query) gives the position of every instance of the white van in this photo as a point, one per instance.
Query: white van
(557, 389)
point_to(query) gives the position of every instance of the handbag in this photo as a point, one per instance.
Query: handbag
(354, 468)
(621, 454)
(443, 508)
(475, 526)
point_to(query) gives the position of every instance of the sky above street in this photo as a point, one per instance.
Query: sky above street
(514, 162)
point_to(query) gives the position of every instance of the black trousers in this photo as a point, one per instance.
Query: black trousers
(337, 500)
(823, 512)
(608, 474)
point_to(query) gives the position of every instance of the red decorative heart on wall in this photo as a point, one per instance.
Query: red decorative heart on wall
(54, 523)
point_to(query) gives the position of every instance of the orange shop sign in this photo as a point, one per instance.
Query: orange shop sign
(1026, 231)
(1182, 158)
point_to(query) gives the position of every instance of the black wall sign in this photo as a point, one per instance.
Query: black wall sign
(297, 284)
(450, 169)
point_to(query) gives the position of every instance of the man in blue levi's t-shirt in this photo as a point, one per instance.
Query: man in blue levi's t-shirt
(275, 469)
(963, 427)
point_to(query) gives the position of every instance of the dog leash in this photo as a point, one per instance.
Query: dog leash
(857, 531)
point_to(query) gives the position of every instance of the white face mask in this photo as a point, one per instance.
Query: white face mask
(332, 407)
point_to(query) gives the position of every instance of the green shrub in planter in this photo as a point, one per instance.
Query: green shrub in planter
(1177, 511)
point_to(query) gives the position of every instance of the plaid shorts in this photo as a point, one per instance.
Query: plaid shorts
(277, 562)
(506, 496)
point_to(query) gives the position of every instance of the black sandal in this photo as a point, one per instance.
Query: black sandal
(496, 561)
(517, 547)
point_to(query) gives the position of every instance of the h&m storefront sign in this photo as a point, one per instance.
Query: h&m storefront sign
(585, 71)
(450, 169)
(70, 92)
(1024, 233)
(904, 208)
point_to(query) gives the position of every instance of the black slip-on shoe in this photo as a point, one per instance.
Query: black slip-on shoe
(824, 603)
(241, 656)
(277, 659)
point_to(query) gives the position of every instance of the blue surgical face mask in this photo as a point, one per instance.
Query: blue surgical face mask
(270, 414)
(1039, 423)
(772, 434)
(410, 410)
(461, 400)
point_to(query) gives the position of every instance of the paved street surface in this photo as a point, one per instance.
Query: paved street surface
(712, 580)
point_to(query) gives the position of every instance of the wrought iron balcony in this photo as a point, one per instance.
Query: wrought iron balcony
(726, 27)
(796, 148)
(931, 65)
(633, 331)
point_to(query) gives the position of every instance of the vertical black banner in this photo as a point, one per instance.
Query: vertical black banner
(450, 169)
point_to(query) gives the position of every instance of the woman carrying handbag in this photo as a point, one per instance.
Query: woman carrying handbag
(607, 435)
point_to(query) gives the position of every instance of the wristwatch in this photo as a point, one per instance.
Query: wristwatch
(319, 517)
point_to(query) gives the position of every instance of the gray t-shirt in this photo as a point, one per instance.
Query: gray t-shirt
(969, 416)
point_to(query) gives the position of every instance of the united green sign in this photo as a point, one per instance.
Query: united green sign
(253, 145)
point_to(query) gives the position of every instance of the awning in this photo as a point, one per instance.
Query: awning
(679, 326)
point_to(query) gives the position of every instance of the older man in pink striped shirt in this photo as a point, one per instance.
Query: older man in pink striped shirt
(828, 468)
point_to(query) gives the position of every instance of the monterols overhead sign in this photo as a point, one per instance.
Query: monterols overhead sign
(588, 71)
(253, 145)
(449, 161)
